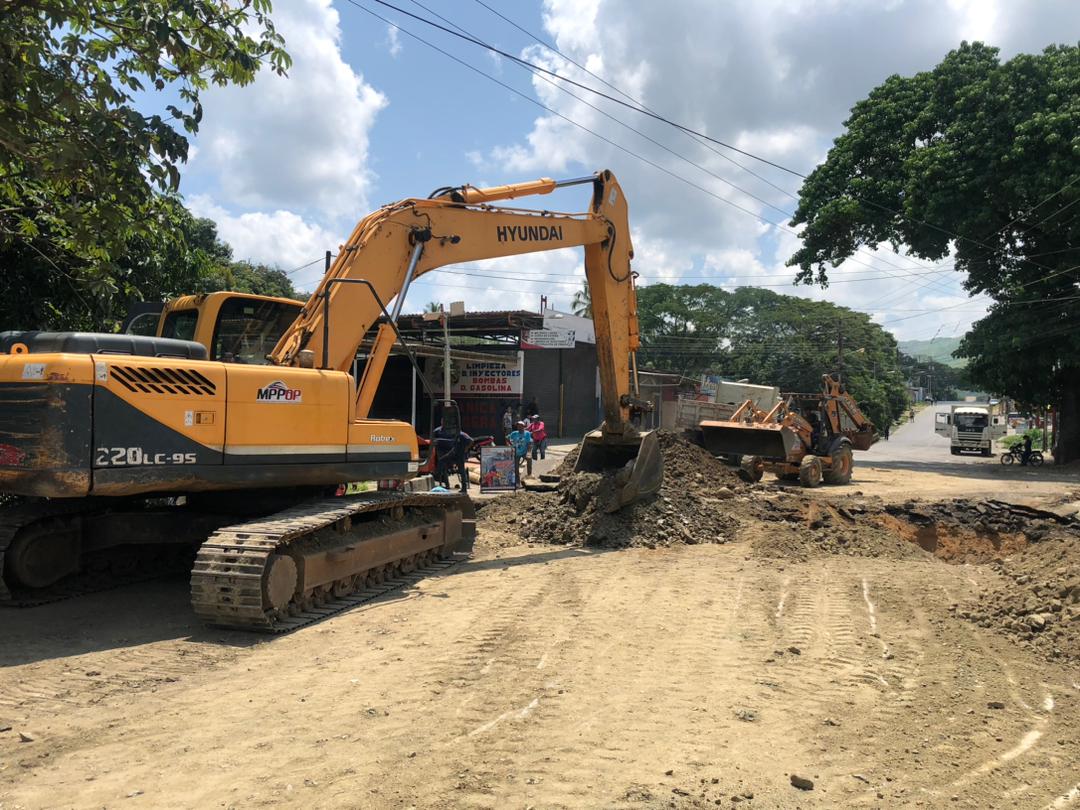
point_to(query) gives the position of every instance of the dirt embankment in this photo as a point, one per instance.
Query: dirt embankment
(1038, 601)
(689, 508)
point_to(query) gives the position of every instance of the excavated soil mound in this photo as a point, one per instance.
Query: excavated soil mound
(793, 526)
(1037, 600)
(688, 509)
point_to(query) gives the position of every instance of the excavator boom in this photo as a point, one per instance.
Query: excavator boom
(397, 244)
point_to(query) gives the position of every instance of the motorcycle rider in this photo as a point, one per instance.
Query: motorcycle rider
(1027, 450)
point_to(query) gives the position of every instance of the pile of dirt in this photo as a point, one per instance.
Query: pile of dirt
(1038, 598)
(688, 509)
(793, 526)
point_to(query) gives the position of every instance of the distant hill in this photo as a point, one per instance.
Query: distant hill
(939, 350)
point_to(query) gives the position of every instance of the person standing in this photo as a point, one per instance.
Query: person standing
(539, 436)
(507, 424)
(521, 439)
(1027, 450)
(451, 452)
(911, 415)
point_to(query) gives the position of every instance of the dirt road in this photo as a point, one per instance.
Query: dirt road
(687, 677)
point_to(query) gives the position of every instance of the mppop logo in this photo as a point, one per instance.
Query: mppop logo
(278, 392)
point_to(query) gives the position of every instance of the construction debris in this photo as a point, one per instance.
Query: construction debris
(688, 509)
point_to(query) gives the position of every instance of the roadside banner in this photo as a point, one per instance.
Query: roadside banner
(497, 469)
(473, 378)
(548, 339)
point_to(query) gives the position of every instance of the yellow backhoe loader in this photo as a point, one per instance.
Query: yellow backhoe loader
(227, 431)
(807, 438)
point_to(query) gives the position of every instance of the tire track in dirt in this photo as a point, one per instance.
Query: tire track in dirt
(463, 682)
(569, 741)
(100, 677)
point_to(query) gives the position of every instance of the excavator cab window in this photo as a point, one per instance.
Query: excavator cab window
(247, 330)
(180, 324)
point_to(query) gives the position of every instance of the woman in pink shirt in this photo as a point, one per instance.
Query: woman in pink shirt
(539, 435)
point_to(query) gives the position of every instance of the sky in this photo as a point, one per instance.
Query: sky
(370, 114)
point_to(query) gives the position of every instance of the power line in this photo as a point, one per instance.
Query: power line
(647, 112)
(305, 266)
(715, 151)
(595, 134)
(553, 74)
(636, 101)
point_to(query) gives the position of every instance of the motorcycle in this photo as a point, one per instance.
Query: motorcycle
(1015, 455)
(477, 443)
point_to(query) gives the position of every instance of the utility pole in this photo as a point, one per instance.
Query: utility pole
(839, 347)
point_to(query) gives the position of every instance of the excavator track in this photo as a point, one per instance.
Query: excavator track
(234, 579)
(100, 571)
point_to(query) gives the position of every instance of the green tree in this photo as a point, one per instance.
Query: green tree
(771, 339)
(683, 327)
(86, 176)
(978, 159)
(944, 381)
(244, 276)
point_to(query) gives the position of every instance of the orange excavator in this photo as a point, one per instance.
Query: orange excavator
(226, 433)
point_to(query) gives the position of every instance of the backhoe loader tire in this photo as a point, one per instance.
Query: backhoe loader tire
(810, 472)
(839, 472)
(751, 468)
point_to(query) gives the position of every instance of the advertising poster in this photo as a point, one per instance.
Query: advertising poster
(497, 469)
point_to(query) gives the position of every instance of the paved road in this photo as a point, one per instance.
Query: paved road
(917, 442)
(914, 450)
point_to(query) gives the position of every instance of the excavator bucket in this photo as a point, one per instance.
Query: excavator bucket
(767, 441)
(638, 462)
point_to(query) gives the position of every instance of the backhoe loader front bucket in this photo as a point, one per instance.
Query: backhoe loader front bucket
(638, 464)
(767, 441)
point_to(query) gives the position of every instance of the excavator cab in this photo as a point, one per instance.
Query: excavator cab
(234, 327)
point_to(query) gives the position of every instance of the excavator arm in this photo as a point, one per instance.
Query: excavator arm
(392, 247)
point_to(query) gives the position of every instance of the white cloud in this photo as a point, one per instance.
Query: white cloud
(296, 143)
(393, 41)
(773, 77)
(278, 238)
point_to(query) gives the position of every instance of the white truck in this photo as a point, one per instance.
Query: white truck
(971, 427)
(728, 397)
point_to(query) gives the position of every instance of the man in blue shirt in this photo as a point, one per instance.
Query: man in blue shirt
(520, 439)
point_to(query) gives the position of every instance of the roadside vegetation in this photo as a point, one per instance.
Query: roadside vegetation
(90, 218)
(974, 162)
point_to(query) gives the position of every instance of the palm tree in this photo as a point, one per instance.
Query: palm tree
(432, 306)
(581, 305)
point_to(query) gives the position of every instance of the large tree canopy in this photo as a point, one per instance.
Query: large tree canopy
(978, 159)
(770, 339)
(96, 100)
(41, 294)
